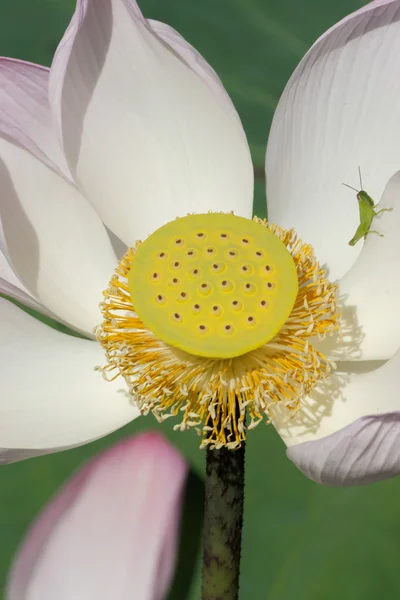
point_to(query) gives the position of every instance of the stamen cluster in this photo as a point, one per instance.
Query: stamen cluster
(216, 396)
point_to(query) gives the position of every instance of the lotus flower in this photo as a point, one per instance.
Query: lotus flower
(111, 532)
(130, 129)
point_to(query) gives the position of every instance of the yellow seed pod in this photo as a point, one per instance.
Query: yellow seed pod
(214, 285)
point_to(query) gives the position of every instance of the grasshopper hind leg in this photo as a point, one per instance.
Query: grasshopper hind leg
(359, 234)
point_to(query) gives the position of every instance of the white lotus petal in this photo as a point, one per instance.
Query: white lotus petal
(11, 286)
(56, 243)
(146, 138)
(112, 531)
(8, 456)
(338, 111)
(357, 390)
(368, 450)
(25, 116)
(196, 62)
(370, 291)
(7, 276)
(51, 396)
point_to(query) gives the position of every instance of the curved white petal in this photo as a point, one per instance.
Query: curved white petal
(25, 116)
(8, 456)
(51, 396)
(355, 390)
(370, 291)
(11, 286)
(338, 111)
(368, 450)
(53, 238)
(146, 138)
(196, 62)
(111, 532)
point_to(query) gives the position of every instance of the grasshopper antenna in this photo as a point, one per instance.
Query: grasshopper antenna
(359, 173)
(351, 187)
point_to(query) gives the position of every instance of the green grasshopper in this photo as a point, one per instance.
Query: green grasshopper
(367, 213)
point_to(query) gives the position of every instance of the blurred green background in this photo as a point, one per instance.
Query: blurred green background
(301, 541)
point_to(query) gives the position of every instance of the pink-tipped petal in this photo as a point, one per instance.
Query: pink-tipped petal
(25, 116)
(348, 430)
(366, 451)
(111, 532)
(146, 137)
(339, 111)
(40, 248)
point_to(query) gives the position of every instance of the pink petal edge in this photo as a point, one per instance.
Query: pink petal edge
(63, 52)
(122, 509)
(25, 117)
(364, 9)
(366, 451)
(164, 32)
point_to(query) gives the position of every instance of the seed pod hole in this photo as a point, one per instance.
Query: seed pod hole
(246, 269)
(249, 288)
(236, 305)
(204, 289)
(217, 267)
(216, 310)
(226, 285)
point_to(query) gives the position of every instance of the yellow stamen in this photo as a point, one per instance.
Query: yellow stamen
(214, 393)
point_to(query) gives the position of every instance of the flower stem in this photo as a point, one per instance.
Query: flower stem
(223, 521)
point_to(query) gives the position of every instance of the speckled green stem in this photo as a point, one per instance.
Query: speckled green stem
(223, 521)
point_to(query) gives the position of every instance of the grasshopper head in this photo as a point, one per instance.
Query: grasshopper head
(365, 198)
